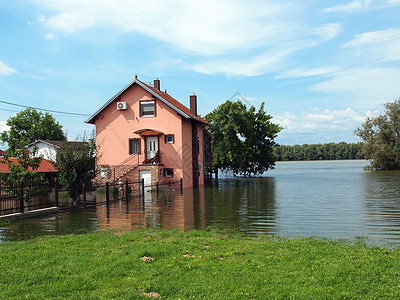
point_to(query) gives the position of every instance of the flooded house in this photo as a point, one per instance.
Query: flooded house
(143, 133)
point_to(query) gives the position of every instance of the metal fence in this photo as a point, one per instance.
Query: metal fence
(25, 197)
(28, 197)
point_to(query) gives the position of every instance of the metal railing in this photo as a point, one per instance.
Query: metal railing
(25, 196)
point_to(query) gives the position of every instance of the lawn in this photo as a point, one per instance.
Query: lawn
(170, 264)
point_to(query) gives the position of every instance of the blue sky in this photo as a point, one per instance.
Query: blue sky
(321, 67)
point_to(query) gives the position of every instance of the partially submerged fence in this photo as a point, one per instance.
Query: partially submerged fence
(25, 197)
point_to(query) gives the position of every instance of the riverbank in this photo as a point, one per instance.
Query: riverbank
(195, 265)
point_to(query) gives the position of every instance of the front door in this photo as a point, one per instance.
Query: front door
(151, 146)
(146, 175)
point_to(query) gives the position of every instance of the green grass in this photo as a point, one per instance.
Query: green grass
(195, 265)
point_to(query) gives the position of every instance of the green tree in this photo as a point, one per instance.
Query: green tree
(23, 169)
(243, 139)
(30, 125)
(77, 166)
(381, 137)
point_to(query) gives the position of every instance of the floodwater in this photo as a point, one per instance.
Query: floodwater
(333, 199)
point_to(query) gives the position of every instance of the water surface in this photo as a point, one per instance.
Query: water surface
(333, 199)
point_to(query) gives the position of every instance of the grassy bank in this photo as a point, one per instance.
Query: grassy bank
(194, 265)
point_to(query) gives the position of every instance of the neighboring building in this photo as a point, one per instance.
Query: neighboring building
(48, 149)
(143, 132)
(46, 168)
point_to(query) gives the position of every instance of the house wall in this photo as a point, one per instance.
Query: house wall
(115, 127)
(46, 151)
(187, 153)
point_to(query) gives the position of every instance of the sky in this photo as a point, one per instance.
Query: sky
(321, 67)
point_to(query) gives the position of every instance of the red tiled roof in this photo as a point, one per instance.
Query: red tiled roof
(45, 166)
(174, 102)
(162, 95)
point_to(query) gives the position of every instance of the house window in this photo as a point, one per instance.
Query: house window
(169, 138)
(104, 173)
(134, 146)
(147, 109)
(168, 173)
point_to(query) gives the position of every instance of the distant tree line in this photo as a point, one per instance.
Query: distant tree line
(328, 151)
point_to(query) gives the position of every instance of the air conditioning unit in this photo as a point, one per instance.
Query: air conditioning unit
(122, 105)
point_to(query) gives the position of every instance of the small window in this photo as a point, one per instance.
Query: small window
(168, 172)
(134, 146)
(169, 138)
(147, 109)
(104, 173)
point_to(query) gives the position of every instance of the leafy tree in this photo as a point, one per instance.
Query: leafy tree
(329, 151)
(381, 137)
(30, 125)
(76, 166)
(243, 139)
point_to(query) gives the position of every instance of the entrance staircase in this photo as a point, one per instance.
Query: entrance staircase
(125, 167)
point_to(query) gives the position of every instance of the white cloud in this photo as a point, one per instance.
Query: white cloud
(362, 5)
(4, 126)
(208, 26)
(51, 37)
(328, 31)
(375, 45)
(70, 22)
(348, 7)
(327, 120)
(253, 66)
(270, 61)
(307, 72)
(363, 85)
(374, 37)
(6, 70)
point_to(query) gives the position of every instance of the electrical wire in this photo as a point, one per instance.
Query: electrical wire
(48, 110)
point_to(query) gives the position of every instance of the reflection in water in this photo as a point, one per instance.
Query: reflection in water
(241, 204)
(334, 199)
(382, 203)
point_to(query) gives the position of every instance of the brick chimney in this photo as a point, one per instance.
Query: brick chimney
(157, 84)
(193, 104)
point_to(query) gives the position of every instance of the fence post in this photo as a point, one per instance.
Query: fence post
(181, 184)
(143, 187)
(107, 193)
(56, 192)
(21, 197)
(126, 190)
(157, 184)
(84, 195)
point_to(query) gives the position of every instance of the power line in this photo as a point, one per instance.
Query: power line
(48, 110)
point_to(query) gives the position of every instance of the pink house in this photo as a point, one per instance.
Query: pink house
(144, 133)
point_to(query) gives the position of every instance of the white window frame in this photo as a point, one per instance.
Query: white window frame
(104, 172)
(172, 139)
(144, 103)
(166, 171)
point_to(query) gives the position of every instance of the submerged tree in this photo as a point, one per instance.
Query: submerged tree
(76, 165)
(243, 139)
(381, 137)
(28, 126)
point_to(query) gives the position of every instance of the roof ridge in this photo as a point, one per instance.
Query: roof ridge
(163, 96)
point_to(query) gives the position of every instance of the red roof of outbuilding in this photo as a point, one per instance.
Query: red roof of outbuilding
(45, 166)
